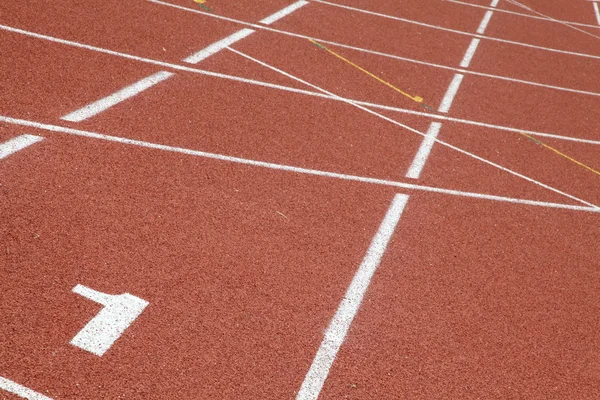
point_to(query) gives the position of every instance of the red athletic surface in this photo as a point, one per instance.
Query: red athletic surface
(244, 266)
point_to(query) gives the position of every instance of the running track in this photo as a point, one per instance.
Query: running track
(204, 204)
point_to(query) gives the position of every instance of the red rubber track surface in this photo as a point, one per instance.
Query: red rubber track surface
(243, 266)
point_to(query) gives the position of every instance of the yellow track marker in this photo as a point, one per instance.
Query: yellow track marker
(561, 154)
(413, 98)
(200, 1)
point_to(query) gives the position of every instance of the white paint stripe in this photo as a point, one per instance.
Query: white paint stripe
(597, 12)
(441, 28)
(218, 46)
(341, 44)
(494, 3)
(521, 14)
(20, 390)
(215, 74)
(288, 168)
(450, 93)
(340, 324)
(416, 167)
(338, 98)
(466, 61)
(283, 12)
(484, 22)
(394, 122)
(107, 102)
(19, 143)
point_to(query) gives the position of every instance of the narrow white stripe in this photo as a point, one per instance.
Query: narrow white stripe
(416, 167)
(299, 170)
(20, 390)
(484, 22)
(441, 28)
(107, 102)
(283, 12)
(218, 46)
(450, 93)
(215, 74)
(521, 14)
(494, 3)
(394, 122)
(340, 324)
(597, 12)
(336, 98)
(466, 61)
(19, 143)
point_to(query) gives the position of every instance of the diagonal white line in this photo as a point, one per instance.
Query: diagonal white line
(16, 144)
(218, 46)
(289, 168)
(394, 122)
(20, 390)
(283, 12)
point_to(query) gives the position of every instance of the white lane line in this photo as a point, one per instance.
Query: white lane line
(418, 163)
(283, 12)
(218, 46)
(441, 28)
(450, 93)
(485, 21)
(299, 170)
(19, 143)
(340, 323)
(20, 390)
(394, 122)
(324, 96)
(119, 96)
(466, 61)
(597, 10)
(521, 14)
(204, 72)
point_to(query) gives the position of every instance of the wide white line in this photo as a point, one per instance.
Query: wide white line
(119, 96)
(394, 122)
(218, 46)
(466, 61)
(340, 323)
(597, 12)
(450, 93)
(521, 14)
(283, 12)
(378, 53)
(418, 163)
(289, 168)
(19, 143)
(441, 28)
(484, 22)
(21, 390)
(494, 3)
(324, 96)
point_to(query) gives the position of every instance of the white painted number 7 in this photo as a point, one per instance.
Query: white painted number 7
(118, 313)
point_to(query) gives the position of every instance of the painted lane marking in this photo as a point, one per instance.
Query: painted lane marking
(299, 170)
(119, 312)
(521, 14)
(16, 144)
(466, 61)
(283, 12)
(324, 96)
(119, 96)
(560, 153)
(441, 28)
(451, 93)
(417, 99)
(485, 21)
(204, 72)
(218, 46)
(418, 163)
(551, 19)
(394, 122)
(597, 10)
(340, 323)
(20, 390)
(363, 50)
